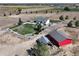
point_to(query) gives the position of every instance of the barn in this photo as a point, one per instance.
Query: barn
(59, 38)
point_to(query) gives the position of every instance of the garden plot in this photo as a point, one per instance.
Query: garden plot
(24, 29)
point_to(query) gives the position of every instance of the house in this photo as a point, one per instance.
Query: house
(43, 40)
(59, 38)
(42, 20)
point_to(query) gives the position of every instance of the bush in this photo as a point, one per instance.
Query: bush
(66, 9)
(69, 24)
(19, 10)
(74, 18)
(38, 28)
(40, 50)
(46, 11)
(10, 13)
(61, 17)
(20, 22)
(77, 23)
(67, 17)
(4, 14)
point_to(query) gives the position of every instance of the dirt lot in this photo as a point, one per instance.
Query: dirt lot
(25, 17)
(11, 45)
(9, 48)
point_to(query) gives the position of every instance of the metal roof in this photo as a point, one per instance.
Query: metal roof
(41, 19)
(44, 39)
(59, 35)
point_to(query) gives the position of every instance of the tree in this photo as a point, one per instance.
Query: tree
(31, 12)
(26, 12)
(20, 22)
(76, 6)
(10, 13)
(57, 11)
(38, 28)
(61, 17)
(51, 11)
(67, 17)
(77, 23)
(36, 12)
(4, 14)
(46, 11)
(66, 9)
(40, 50)
(70, 24)
(74, 18)
(19, 10)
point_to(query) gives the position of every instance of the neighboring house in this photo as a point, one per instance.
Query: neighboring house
(42, 20)
(59, 38)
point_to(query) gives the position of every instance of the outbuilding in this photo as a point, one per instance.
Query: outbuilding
(59, 38)
(44, 40)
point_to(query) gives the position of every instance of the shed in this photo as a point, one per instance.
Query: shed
(59, 38)
(44, 40)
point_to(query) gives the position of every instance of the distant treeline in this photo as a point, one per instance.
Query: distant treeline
(37, 4)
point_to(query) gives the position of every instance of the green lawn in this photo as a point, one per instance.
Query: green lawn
(24, 29)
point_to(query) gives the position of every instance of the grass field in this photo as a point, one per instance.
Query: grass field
(24, 29)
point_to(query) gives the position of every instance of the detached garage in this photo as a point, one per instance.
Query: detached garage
(59, 38)
(44, 40)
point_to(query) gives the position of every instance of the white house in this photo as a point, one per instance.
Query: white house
(42, 20)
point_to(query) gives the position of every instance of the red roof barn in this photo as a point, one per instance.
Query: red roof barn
(59, 38)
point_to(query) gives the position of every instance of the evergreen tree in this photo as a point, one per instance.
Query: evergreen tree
(10, 13)
(77, 23)
(38, 28)
(20, 22)
(46, 11)
(74, 18)
(4, 14)
(61, 17)
(66, 9)
(70, 24)
(67, 17)
(19, 10)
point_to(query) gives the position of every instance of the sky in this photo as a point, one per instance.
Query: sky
(39, 1)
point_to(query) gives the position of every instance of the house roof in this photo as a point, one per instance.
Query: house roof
(59, 35)
(41, 19)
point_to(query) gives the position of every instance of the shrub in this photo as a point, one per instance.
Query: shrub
(74, 18)
(66, 9)
(38, 28)
(77, 23)
(4, 14)
(20, 22)
(61, 17)
(67, 17)
(40, 50)
(19, 10)
(69, 24)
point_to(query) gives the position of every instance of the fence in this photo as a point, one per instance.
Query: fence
(25, 37)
